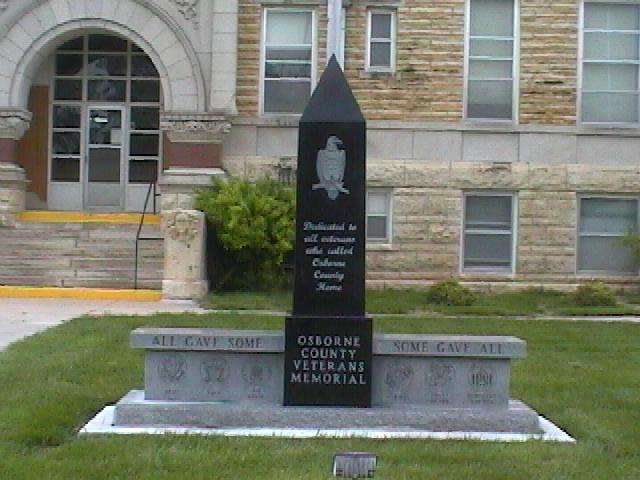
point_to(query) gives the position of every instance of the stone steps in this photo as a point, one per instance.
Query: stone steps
(92, 255)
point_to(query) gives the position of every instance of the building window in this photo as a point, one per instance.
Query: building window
(610, 62)
(94, 70)
(491, 68)
(381, 40)
(379, 216)
(288, 38)
(602, 225)
(488, 231)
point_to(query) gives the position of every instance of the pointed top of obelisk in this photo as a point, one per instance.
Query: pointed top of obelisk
(332, 101)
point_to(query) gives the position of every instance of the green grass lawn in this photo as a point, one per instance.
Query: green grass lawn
(527, 302)
(583, 376)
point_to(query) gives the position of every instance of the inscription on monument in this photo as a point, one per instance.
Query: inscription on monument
(208, 342)
(328, 346)
(329, 248)
(329, 360)
(481, 379)
(440, 379)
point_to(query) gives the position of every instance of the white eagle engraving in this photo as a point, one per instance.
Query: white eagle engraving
(330, 167)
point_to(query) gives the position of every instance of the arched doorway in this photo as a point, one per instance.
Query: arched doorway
(28, 49)
(105, 144)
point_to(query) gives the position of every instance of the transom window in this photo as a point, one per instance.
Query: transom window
(603, 224)
(611, 36)
(490, 69)
(104, 70)
(488, 231)
(381, 39)
(288, 38)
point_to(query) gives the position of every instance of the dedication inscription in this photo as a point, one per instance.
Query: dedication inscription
(328, 338)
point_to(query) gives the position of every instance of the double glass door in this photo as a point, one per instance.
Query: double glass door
(105, 180)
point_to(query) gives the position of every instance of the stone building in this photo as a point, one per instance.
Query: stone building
(503, 140)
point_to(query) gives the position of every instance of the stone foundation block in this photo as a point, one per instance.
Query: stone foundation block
(13, 185)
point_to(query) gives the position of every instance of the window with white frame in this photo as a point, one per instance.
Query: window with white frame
(491, 67)
(610, 62)
(288, 60)
(379, 216)
(381, 40)
(488, 231)
(603, 224)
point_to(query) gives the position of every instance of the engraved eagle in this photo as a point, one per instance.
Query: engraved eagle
(330, 167)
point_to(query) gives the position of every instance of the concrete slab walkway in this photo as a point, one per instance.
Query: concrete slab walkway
(21, 317)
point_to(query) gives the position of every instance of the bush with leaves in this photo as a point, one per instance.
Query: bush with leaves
(254, 224)
(450, 293)
(595, 294)
(631, 241)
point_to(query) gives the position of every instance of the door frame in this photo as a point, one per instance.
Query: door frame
(124, 148)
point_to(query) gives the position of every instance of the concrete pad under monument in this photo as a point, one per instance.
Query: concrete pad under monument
(327, 372)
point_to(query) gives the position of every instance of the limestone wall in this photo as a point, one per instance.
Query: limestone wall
(428, 200)
(429, 80)
(548, 61)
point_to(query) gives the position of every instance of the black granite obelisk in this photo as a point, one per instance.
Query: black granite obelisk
(328, 352)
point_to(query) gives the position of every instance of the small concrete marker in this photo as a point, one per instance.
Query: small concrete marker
(354, 465)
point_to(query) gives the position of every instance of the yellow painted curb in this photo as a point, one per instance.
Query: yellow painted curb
(42, 216)
(81, 293)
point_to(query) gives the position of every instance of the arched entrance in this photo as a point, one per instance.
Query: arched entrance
(96, 81)
(104, 124)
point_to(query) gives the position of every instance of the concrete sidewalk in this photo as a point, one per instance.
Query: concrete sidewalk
(21, 317)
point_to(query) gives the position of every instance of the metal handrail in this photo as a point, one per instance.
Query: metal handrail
(152, 188)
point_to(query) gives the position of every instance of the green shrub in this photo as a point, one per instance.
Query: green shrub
(451, 293)
(595, 294)
(631, 241)
(254, 225)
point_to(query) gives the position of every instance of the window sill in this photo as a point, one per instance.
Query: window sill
(490, 123)
(587, 275)
(599, 127)
(380, 247)
(378, 74)
(488, 272)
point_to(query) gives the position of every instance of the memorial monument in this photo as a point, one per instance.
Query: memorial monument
(329, 291)
(327, 371)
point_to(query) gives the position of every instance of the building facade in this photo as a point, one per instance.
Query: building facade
(503, 135)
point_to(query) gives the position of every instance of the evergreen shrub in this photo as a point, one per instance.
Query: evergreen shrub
(451, 293)
(254, 225)
(595, 294)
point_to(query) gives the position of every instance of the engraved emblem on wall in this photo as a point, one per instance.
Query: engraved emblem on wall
(215, 374)
(330, 166)
(440, 377)
(172, 369)
(215, 371)
(188, 9)
(398, 380)
(255, 377)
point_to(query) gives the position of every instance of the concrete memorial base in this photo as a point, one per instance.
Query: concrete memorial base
(134, 411)
(234, 379)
